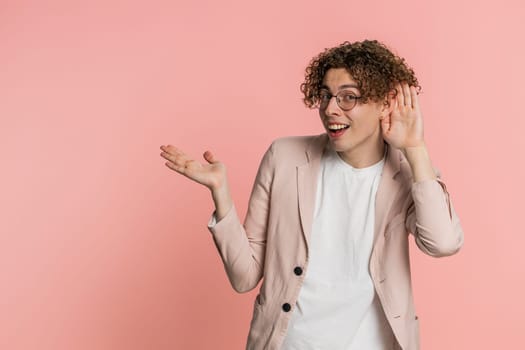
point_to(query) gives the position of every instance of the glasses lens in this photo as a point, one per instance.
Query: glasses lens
(346, 100)
(324, 98)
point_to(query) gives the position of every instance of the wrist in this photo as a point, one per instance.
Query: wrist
(218, 190)
(222, 200)
(415, 152)
(420, 163)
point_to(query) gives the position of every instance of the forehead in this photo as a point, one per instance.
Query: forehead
(337, 78)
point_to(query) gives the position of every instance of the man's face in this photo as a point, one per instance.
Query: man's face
(362, 132)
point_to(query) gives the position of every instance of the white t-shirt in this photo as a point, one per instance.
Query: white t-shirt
(337, 307)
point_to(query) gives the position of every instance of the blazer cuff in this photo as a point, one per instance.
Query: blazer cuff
(215, 226)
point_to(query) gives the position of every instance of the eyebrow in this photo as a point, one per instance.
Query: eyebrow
(341, 87)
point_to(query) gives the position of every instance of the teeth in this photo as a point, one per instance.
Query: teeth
(337, 126)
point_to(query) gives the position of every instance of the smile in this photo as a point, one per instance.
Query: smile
(336, 130)
(334, 127)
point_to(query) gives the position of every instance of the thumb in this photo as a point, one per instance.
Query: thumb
(210, 158)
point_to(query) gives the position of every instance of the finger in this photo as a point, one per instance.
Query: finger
(178, 168)
(210, 157)
(172, 152)
(394, 102)
(167, 154)
(166, 148)
(400, 98)
(178, 159)
(172, 149)
(406, 92)
(415, 99)
(172, 162)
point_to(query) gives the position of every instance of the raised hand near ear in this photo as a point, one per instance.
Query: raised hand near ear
(403, 127)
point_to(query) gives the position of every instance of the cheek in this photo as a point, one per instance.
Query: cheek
(366, 124)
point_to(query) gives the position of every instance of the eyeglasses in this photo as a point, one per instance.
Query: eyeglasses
(346, 100)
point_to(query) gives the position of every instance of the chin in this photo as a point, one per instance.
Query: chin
(339, 146)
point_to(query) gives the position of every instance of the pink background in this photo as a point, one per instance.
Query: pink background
(103, 247)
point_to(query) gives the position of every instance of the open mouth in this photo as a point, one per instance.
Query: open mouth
(337, 129)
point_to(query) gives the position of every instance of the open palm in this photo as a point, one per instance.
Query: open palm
(211, 175)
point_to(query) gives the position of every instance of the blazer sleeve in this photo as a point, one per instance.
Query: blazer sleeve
(432, 220)
(242, 247)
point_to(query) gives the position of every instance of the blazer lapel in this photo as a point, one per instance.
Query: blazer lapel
(387, 190)
(307, 183)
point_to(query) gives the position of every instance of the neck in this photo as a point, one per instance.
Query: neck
(362, 158)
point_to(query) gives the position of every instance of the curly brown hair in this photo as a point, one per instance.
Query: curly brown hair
(370, 63)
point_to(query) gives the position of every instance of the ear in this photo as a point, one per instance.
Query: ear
(388, 103)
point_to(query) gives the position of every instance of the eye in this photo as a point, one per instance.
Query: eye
(324, 96)
(348, 97)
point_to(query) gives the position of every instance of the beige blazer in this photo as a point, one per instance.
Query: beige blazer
(273, 241)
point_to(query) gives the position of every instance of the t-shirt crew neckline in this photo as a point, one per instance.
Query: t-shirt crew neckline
(369, 169)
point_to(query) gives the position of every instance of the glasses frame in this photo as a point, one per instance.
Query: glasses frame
(338, 98)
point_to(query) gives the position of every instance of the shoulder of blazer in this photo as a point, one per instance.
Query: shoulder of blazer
(299, 149)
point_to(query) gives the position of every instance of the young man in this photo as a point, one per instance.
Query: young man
(329, 215)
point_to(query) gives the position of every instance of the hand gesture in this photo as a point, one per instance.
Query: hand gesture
(211, 175)
(403, 128)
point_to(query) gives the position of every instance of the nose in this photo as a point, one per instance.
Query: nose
(332, 108)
